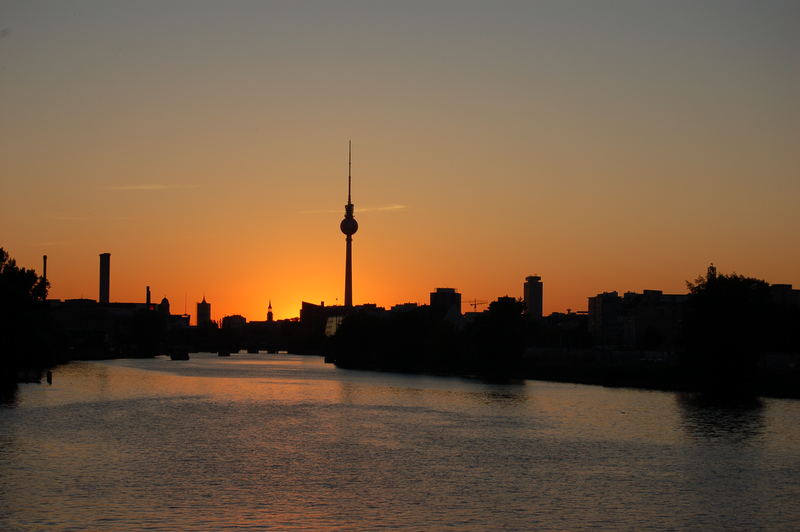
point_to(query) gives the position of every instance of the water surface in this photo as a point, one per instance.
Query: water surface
(287, 442)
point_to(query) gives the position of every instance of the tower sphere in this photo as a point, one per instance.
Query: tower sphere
(349, 226)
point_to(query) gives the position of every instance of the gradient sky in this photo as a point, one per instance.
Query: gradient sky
(604, 145)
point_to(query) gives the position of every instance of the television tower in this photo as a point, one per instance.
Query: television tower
(349, 226)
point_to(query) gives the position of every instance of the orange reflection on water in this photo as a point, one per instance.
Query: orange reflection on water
(226, 380)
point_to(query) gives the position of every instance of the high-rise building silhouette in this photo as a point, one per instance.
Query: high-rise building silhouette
(349, 226)
(163, 307)
(105, 276)
(203, 313)
(532, 295)
(269, 312)
(445, 302)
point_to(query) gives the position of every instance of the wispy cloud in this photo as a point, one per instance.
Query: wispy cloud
(383, 208)
(153, 186)
(396, 207)
(62, 218)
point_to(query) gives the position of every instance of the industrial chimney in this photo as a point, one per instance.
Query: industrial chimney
(105, 276)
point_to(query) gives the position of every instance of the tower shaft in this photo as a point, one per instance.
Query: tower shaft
(348, 273)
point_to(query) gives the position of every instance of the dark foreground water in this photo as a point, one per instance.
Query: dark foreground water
(286, 442)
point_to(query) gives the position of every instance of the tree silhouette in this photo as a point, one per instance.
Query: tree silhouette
(497, 338)
(23, 323)
(20, 286)
(728, 323)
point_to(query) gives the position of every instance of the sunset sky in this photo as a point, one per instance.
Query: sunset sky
(604, 145)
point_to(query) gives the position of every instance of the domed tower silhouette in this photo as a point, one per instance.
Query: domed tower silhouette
(349, 226)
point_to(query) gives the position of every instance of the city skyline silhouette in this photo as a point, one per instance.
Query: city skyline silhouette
(619, 148)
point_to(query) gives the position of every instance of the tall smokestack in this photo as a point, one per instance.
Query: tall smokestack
(105, 276)
(44, 267)
(148, 297)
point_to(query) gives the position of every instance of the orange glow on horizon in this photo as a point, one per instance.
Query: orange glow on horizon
(622, 154)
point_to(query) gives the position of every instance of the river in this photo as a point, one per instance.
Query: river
(257, 442)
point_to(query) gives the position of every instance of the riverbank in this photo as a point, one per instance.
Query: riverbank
(774, 374)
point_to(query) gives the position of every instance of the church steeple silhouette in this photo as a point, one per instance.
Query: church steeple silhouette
(349, 226)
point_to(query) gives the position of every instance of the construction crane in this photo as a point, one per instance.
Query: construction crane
(474, 304)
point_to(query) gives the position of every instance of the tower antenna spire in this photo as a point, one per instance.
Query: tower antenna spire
(349, 166)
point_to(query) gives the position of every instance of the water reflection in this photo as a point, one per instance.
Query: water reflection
(428, 391)
(504, 395)
(501, 381)
(8, 394)
(715, 417)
